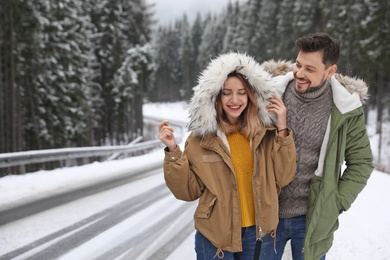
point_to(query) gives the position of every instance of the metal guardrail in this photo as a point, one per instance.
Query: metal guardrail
(40, 156)
(68, 154)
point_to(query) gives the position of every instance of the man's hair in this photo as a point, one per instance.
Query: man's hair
(320, 42)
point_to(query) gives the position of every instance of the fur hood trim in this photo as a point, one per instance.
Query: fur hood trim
(202, 110)
(352, 85)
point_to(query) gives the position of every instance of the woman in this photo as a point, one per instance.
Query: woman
(235, 159)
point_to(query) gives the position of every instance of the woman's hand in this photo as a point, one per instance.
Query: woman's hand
(166, 136)
(277, 106)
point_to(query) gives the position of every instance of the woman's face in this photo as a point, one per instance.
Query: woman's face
(234, 99)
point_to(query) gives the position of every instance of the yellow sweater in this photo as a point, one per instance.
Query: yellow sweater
(241, 154)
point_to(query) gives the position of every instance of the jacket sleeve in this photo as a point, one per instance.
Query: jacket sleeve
(179, 176)
(358, 160)
(284, 159)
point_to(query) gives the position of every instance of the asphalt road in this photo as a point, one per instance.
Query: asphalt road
(147, 224)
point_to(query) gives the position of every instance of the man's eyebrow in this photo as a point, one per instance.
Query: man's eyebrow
(308, 66)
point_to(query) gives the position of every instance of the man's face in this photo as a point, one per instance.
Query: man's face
(309, 71)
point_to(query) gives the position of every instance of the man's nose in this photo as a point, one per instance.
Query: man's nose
(299, 72)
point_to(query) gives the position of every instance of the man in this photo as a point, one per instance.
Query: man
(325, 112)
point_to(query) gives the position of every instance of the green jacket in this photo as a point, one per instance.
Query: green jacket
(335, 186)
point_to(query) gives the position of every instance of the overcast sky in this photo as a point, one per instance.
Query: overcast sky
(168, 10)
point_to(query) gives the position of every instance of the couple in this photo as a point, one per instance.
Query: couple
(265, 153)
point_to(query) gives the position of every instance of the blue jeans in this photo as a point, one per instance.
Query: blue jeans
(288, 229)
(206, 251)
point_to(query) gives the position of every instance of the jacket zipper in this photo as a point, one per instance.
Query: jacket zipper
(257, 197)
(322, 183)
(260, 234)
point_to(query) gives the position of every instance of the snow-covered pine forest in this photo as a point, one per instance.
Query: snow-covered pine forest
(77, 72)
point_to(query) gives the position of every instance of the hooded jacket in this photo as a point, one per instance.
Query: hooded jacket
(333, 189)
(205, 171)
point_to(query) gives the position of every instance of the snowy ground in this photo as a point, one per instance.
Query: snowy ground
(363, 233)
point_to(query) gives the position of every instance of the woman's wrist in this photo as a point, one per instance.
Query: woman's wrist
(278, 130)
(172, 148)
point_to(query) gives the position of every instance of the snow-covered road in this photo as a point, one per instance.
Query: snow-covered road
(136, 220)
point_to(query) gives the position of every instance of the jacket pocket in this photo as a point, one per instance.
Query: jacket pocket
(205, 207)
(314, 189)
(328, 217)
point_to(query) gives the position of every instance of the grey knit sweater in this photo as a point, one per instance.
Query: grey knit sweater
(307, 116)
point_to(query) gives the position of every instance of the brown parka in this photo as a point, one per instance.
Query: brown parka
(204, 170)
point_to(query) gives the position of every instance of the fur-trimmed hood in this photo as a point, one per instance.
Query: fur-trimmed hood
(202, 111)
(352, 85)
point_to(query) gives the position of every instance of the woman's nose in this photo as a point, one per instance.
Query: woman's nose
(234, 97)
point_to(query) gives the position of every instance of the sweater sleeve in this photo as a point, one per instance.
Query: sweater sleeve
(358, 160)
(284, 157)
(179, 176)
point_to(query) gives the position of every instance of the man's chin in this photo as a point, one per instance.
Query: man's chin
(301, 89)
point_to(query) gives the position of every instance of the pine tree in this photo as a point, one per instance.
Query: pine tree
(235, 38)
(137, 20)
(159, 41)
(307, 17)
(109, 50)
(186, 51)
(9, 88)
(251, 27)
(167, 77)
(130, 83)
(63, 86)
(211, 43)
(196, 40)
(284, 38)
(262, 45)
(376, 46)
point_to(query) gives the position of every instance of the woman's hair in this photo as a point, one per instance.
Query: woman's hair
(249, 121)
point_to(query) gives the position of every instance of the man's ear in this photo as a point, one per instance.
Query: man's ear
(331, 71)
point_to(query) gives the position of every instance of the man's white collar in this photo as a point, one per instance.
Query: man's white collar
(342, 98)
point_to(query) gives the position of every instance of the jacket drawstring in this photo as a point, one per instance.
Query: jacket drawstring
(273, 235)
(219, 253)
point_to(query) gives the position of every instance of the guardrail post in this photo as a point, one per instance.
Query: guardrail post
(22, 169)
